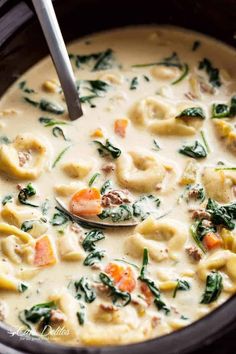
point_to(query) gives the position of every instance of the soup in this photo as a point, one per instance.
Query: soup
(156, 146)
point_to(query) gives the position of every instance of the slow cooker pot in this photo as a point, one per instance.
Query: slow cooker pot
(22, 44)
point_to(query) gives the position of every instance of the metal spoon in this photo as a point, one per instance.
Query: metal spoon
(93, 223)
(47, 18)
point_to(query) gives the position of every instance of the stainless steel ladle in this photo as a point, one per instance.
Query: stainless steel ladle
(47, 18)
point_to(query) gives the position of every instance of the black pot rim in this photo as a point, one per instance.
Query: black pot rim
(203, 331)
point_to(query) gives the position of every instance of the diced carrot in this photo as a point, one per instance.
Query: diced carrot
(120, 127)
(86, 202)
(147, 293)
(211, 240)
(97, 133)
(123, 277)
(44, 253)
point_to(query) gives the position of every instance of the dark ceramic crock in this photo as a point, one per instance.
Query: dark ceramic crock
(22, 44)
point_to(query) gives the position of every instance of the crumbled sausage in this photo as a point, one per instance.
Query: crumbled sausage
(57, 317)
(190, 96)
(23, 157)
(108, 167)
(155, 321)
(201, 214)
(115, 197)
(194, 253)
(108, 308)
(76, 228)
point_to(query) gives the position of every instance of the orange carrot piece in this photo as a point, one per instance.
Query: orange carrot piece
(211, 240)
(120, 127)
(86, 202)
(98, 133)
(123, 277)
(44, 253)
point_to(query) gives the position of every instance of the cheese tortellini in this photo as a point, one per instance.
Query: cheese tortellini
(135, 168)
(24, 158)
(69, 247)
(221, 259)
(227, 133)
(78, 169)
(160, 118)
(219, 184)
(163, 239)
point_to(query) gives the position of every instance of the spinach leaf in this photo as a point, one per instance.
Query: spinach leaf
(98, 87)
(181, 285)
(24, 88)
(220, 110)
(4, 140)
(104, 60)
(59, 156)
(121, 213)
(81, 314)
(46, 106)
(39, 312)
(59, 219)
(134, 83)
(196, 45)
(93, 178)
(106, 186)
(232, 110)
(185, 71)
(22, 287)
(151, 285)
(57, 131)
(45, 206)
(196, 150)
(88, 99)
(139, 206)
(173, 60)
(26, 193)
(83, 286)
(193, 112)
(222, 215)
(91, 238)
(213, 73)
(199, 230)
(50, 122)
(50, 107)
(205, 141)
(7, 199)
(94, 257)
(108, 149)
(213, 288)
(119, 298)
(156, 145)
(27, 225)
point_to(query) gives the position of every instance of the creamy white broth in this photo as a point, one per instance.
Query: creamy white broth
(136, 321)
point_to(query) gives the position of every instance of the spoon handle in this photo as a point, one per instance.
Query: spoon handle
(47, 18)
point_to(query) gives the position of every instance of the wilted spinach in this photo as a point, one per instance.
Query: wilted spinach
(25, 194)
(213, 288)
(119, 298)
(212, 72)
(196, 150)
(91, 238)
(107, 149)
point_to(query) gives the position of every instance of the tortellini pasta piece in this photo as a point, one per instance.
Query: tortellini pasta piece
(69, 247)
(218, 260)
(160, 118)
(10, 246)
(140, 171)
(112, 78)
(227, 133)
(78, 169)
(10, 161)
(219, 184)
(190, 173)
(8, 281)
(162, 239)
(65, 190)
(163, 72)
(7, 230)
(17, 215)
